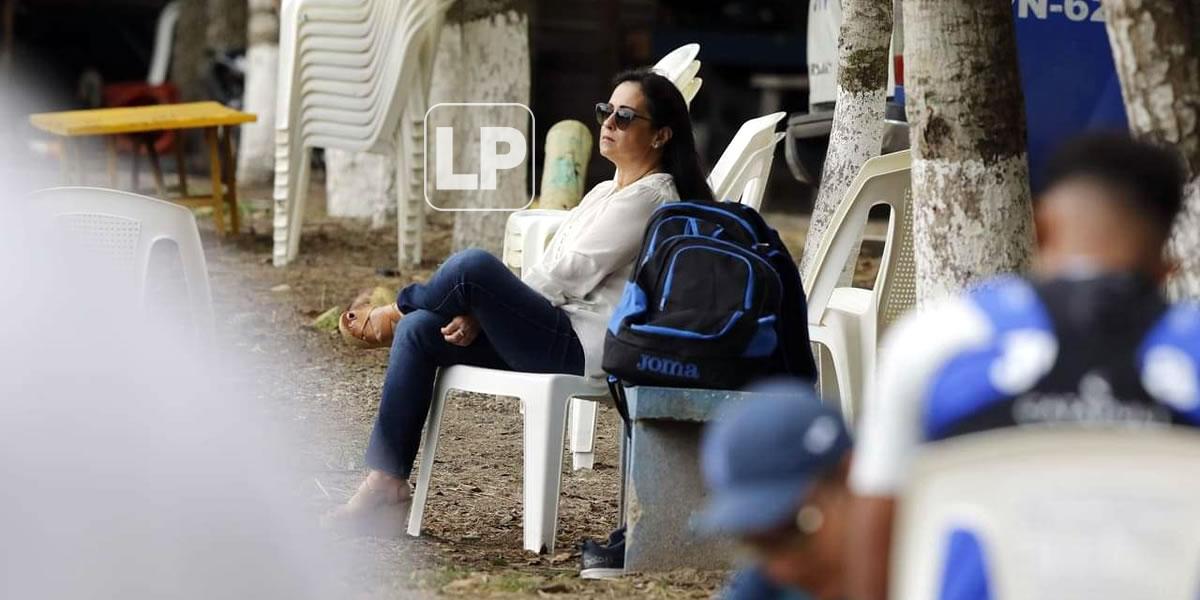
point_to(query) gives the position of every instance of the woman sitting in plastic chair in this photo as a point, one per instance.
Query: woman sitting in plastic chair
(474, 311)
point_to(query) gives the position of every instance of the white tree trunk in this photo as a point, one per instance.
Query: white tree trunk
(972, 215)
(495, 66)
(1155, 48)
(857, 132)
(256, 152)
(447, 86)
(360, 184)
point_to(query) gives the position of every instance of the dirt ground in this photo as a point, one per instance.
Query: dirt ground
(326, 393)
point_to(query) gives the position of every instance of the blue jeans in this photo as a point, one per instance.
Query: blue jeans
(520, 331)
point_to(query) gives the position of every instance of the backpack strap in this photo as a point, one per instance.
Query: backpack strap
(617, 391)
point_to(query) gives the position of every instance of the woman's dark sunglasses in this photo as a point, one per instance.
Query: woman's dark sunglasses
(625, 115)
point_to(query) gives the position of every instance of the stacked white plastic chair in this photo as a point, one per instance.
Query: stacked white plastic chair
(122, 229)
(847, 321)
(351, 73)
(1055, 513)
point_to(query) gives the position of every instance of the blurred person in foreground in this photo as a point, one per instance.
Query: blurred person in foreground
(1087, 340)
(776, 470)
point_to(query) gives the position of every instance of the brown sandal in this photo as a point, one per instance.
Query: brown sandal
(369, 326)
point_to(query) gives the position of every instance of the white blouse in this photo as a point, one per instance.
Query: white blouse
(585, 267)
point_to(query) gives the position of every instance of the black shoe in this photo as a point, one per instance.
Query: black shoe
(602, 561)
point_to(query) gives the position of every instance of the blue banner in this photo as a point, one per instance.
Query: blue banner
(1067, 74)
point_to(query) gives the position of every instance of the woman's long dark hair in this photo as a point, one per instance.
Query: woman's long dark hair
(667, 108)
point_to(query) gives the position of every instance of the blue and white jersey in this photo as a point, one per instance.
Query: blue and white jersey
(1069, 352)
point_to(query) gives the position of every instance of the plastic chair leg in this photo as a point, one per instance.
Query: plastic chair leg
(838, 378)
(296, 218)
(583, 433)
(545, 428)
(410, 209)
(433, 426)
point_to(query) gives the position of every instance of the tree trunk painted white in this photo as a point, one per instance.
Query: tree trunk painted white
(447, 86)
(972, 214)
(496, 68)
(857, 132)
(256, 151)
(1155, 49)
(360, 184)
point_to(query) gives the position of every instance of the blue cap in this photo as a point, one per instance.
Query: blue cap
(761, 457)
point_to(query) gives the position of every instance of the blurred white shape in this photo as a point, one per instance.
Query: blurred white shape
(1061, 512)
(1170, 375)
(132, 467)
(1026, 356)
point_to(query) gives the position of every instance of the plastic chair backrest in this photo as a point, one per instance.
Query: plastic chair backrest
(411, 40)
(164, 34)
(690, 89)
(752, 146)
(896, 282)
(122, 229)
(409, 61)
(883, 180)
(674, 65)
(353, 64)
(1066, 513)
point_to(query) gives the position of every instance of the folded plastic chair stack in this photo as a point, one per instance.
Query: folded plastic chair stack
(352, 73)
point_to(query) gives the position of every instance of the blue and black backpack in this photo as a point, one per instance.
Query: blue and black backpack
(714, 301)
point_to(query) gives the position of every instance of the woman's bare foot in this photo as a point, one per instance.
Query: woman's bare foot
(379, 508)
(368, 326)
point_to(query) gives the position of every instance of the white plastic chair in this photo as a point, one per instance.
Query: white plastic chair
(1057, 514)
(676, 62)
(741, 173)
(353, 73)
(846, 321)
(544, 405)
(122, 229)
(164, 34)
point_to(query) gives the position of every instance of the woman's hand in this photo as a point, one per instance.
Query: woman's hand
(461, 330)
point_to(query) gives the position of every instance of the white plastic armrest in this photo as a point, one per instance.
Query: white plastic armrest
(537, 237)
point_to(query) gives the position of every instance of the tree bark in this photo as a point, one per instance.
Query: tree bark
(1155, 44)
(256, 155)
(972, 214)
(226, 25)
(495, 67)
(188, 57)
(857, 133)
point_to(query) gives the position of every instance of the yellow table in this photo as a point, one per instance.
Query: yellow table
(214, 118)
